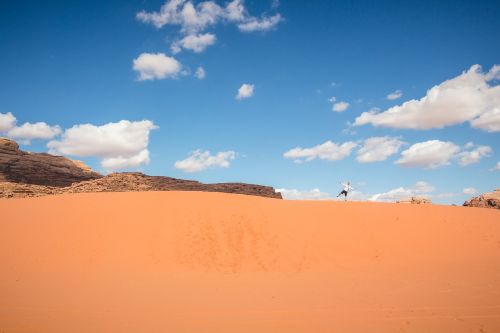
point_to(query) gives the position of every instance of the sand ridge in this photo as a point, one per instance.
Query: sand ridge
(216, 262)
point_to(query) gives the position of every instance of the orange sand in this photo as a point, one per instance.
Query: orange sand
(212, 262)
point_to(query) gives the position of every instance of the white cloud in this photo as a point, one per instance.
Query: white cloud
(340, 106)
(195, 43)
(472, 154)
(471, 96)
(193, 19)
(28, 131)
(235, 11)
(436, 153)
(151, 66)
(395, 95)
(7, 122)
(245, 91)
(314, 194)
(119, 145)
(200, 73)
(263, 24)
(202, 160)
(378, 149)
(469, 191)
(326, 151)
(428, 154)
(121, 162)
(420, 188)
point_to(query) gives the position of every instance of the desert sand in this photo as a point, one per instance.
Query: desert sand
(216, 262)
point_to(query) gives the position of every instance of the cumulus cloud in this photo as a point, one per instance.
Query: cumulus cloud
(338, 106)
(378, 149)
(326, 151)
(420, 188)
(195, 43)
(200, 73)
(7, 122)
(314, 194)
(471, 96)
(395, 95)
(469, 191)
(245, 91)
(27, 131)
(119, 145)
(473, 153)
(193, 19)
(436, 153)
(201, 160)
(262, 24)
(151, 66)
(428, 154)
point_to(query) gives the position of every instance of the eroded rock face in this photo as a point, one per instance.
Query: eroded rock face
(133, 182)
(486, 200)
(18, 166)
(24, 174)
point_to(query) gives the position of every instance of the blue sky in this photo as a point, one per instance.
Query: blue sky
(66, 64)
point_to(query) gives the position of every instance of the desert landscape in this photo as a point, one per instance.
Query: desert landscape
(217, 262)
(127, 252)
(242, 166)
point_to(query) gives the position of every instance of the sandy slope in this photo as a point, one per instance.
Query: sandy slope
(213, 262)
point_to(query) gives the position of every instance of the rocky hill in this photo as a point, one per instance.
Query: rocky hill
(18, 166)
(24, 174)
(485, 200)
(136, 181)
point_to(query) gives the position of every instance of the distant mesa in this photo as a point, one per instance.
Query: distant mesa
(415, 200)
(25, 174)
(485, 200)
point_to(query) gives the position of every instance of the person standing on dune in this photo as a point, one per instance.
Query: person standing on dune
(347, 187)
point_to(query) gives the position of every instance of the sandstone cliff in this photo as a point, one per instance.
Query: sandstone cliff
(485, 200)
(18, 166)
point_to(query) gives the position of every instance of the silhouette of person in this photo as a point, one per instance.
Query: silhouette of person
(347, 187)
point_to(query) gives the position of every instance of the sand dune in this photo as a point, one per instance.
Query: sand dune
(214, 262)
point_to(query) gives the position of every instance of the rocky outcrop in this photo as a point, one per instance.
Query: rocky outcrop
(416, 200)
(486, 200)
(24, 174)
(136, 181)
(133, 182)
(19, 190)
(18, 166)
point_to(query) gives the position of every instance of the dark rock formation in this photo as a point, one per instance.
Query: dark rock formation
(416, 200)
(136, 181)
(24, 174)
(485, 200)
(18, 166)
